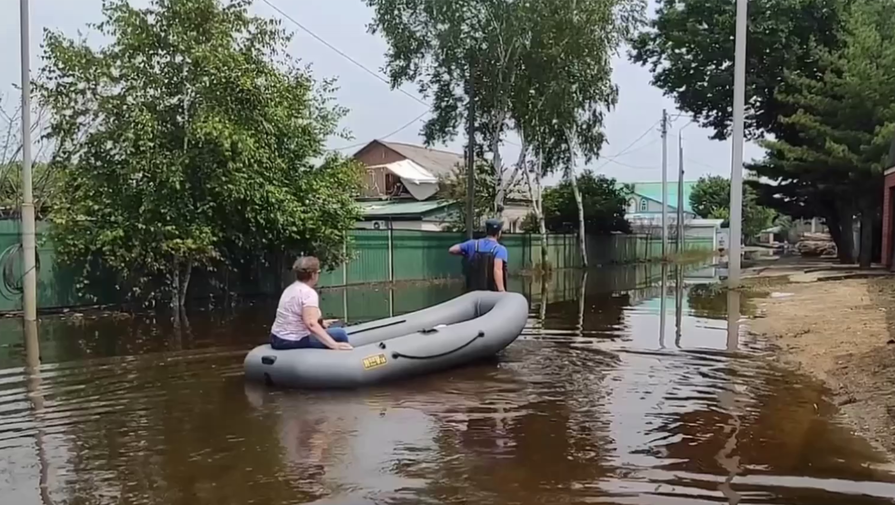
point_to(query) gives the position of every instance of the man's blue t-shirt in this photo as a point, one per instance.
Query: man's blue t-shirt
(486, 245)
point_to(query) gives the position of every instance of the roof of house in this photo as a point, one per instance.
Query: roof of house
(653, 191)
(379, 209)
(441, 163)
(438, 162)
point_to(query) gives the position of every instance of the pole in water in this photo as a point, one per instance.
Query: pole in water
(470, 156)
(680, 191)
(664, 184)
(29, 291)
(663, 291)
(736, 162)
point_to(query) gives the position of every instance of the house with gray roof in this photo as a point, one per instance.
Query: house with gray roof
(401, 188)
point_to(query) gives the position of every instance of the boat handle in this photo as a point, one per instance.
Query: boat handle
(397, 354)
(386, 325)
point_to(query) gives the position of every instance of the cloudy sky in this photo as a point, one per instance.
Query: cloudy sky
(375, 110)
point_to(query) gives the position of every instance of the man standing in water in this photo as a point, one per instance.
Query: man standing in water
(486, 259)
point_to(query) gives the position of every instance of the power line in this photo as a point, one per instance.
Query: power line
(360, 65)
(609, 159)
(414, 120)
(701, 164)
(632, 166)
(644, 146)
(341, 53)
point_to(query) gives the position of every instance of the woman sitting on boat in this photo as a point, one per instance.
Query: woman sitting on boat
(298, 324)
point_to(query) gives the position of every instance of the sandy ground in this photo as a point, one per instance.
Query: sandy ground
(840, 331)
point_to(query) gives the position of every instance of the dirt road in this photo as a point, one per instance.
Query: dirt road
(841, 332)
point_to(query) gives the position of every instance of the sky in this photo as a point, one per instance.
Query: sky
(377, 111)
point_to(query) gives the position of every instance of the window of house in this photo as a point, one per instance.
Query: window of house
(643, 205)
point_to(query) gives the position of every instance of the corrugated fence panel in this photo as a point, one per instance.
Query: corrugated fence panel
(332, 278)
(516, 245)
(424, 255)
(370, 257)
(9, 237)
(55, 283)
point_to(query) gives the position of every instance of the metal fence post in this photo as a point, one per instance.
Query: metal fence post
(345, 263)
(391, 254)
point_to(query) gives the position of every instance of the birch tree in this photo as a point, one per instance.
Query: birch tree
(563, 96)
(538, 68)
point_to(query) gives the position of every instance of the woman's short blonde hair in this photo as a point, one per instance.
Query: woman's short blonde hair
(305, 267)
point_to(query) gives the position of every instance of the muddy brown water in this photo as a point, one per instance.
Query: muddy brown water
(601, 400)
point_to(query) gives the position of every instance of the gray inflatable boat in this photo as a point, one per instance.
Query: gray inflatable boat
(468, 328)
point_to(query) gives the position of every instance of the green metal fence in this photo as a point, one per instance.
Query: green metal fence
(376, 256)
(403, 255)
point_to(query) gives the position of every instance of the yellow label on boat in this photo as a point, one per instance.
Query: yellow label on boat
(375, 361)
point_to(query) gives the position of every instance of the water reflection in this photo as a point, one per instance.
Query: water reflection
(728, 401)
(591, 404)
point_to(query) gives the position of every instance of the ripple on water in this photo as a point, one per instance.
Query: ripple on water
(596, 402)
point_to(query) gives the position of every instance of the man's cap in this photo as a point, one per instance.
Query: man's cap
(493, 225)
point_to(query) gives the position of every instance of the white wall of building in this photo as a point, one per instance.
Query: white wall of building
(400, 225)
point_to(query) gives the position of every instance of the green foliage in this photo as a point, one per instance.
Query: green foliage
(709, 195)
(710, 199)
(44, 188)
(846, 117)
(43, 177)
(604, 206)
(188, 142)
(689, 48)
(539, 66)
(561, 99)
(529, 224)
(453, 188)
(795, 51)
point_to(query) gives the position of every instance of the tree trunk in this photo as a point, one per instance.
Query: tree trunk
(580, 204)
(572, 139)
(506, 181)
(832, 221)
(496, 163)
(582, 302)
(866, 251)
(534, 195)
(175, 290)
(542, 229)
(181, 282)
(185, 281)
(542, 309)
(846, 250)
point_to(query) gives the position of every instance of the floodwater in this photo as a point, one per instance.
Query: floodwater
(622, 389)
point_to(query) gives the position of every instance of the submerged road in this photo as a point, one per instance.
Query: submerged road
(648, 395)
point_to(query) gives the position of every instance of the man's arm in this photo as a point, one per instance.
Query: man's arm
(498, 274)
(500, 258)
(460, 249)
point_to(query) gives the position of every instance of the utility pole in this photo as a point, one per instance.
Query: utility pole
(664, 184)
(29, 297)
(736, 163)
(680, 192)
(470, 156)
